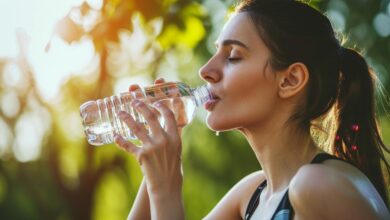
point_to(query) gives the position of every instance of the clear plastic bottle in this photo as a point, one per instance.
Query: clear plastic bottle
(101, 121)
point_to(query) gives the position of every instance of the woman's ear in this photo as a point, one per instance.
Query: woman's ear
(293, 80)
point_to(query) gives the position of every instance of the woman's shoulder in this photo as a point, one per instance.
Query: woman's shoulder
(247, 186)
(254, 178)
(334, 190)
(233, 204)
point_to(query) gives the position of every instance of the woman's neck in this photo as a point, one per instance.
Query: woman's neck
(281, 152)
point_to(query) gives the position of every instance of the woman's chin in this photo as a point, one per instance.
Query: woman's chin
(215, 125)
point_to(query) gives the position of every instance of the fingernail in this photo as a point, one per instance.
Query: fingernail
(133, 87)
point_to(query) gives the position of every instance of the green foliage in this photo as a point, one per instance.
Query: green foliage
(73, 180)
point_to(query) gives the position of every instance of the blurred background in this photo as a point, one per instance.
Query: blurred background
(55, 55)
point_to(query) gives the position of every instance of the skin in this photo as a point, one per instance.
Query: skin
(240, 68)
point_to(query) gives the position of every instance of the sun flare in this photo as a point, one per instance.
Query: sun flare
(30, 24)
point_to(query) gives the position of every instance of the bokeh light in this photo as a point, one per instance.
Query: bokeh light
(35, 21)
(5, 138)
(337, 13)
(10, 104)
(12, 75)
(31, 128)
(62, 60)
(382, 24)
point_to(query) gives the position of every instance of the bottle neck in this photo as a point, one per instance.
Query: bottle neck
(201, 94)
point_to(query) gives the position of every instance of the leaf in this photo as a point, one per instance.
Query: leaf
(193, 32)
(68, 30)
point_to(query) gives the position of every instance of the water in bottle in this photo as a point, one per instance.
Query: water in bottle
(101, 121)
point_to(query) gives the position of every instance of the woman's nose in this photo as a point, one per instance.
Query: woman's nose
(210, 72)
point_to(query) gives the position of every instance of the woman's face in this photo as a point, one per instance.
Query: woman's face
(240, 78)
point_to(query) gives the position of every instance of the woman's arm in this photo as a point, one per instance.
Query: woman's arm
(167, 205)
(142, 210)
(141, 206)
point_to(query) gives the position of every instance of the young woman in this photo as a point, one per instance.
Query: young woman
(283, 57)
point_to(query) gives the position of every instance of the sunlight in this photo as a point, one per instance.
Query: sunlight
(95, 4)
(5, 137)
(53, 67)
(32, 127)
(37, 19)
(10, 105)
(12, 75)
(29, 24)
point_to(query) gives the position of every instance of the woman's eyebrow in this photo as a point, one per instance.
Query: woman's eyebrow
(229, 42)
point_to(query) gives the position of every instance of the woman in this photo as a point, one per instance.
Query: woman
(283, 57)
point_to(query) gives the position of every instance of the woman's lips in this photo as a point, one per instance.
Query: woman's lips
(209, 105)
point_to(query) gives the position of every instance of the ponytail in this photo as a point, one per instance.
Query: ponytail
(358, 138)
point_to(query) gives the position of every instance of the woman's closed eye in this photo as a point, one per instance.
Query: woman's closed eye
(234, 56)
(234, 59)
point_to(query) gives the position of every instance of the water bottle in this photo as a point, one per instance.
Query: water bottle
(101, 121)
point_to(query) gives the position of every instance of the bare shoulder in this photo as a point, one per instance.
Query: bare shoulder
(247, 186)
(335, 190)
(233, 204)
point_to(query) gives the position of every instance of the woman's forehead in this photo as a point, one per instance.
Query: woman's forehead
(238, 27)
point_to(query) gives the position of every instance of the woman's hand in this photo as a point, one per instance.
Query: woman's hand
(160, 153)
(159, 157)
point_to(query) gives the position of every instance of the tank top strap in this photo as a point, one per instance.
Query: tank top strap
(254, 201)
(321, 157)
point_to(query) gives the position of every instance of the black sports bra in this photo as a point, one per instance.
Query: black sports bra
(284, 211)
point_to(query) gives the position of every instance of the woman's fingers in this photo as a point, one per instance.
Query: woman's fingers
(159, 81)
(138, 129)
(136, 92)
(178, 108)
(158, 95)
(126, 145)
(179, 111)
(150, 117)
(170, 122)
(134, 87)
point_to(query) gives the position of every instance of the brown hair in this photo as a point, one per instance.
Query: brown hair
(340, 87)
